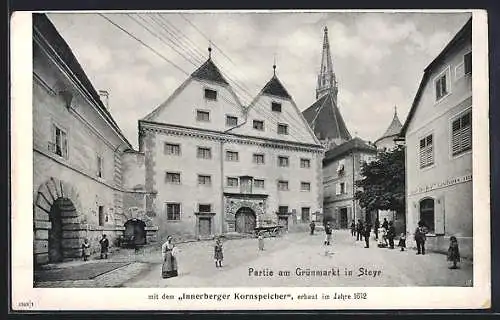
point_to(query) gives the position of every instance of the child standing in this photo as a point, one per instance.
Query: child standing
(402, 241)
(218, 256)
(261, 242)
(453, 252)
(85, 249)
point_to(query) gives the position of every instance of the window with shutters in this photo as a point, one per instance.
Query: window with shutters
(258, 158)
(210, 94)
(231, 121)
(258, 125)
(282, 128)
(283, 185)
(468, 63)
(204, 153)
(305, 163)
(203, 116)
(258, 183)
(283, 161)
(204, 179)
(232, 182)
(172, 149)
(173, 211)
(461, 134)
(426, 152)
(442, 85)
(173, 178)
(231, 156)
(305, 186)
(59, 143)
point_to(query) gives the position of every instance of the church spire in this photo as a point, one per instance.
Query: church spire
(326, 78)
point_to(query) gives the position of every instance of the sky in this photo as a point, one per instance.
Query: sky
(378, 58)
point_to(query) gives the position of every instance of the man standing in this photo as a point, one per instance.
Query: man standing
(367, 231)
(391, 234)
(376, 227)
(312, 225)
(420, 237)
(359, 230)
(104, 242)
(353, 228)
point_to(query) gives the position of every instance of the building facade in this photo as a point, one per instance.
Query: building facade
(341, 169)
(214, 166)
(438, 139)
(80, 158)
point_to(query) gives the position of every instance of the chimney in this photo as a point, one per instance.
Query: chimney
(104, 95)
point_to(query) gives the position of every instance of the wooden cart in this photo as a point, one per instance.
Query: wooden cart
(269, 230)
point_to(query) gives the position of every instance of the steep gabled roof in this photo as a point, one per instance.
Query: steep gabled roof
(355, 144)
(462, 35)
(275, 88)
(394, 128)
(325, 119)
(43, 27)
(209, 71)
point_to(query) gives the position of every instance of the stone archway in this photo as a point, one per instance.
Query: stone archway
(57, 225)
(246, 220)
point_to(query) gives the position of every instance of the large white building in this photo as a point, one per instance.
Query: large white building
(215, 166)
(438, 139)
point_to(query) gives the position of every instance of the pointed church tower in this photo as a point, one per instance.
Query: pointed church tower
(326, 78)
(387, 141)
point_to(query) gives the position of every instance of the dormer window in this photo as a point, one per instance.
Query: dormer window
(210, 94)
(276, 107)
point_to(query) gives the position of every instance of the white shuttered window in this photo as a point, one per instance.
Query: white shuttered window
(461, 140)
(426, 152)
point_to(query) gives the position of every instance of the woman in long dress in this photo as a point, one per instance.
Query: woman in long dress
(168, 252)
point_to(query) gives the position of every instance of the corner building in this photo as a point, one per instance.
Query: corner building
(214, 166)
(438, 139)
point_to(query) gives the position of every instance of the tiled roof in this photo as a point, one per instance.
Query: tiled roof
(275, 88)
(355, 144)
(394, 128)
(325, 119)
(44, 27)
(209, 71)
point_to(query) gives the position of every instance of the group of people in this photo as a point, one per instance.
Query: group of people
(387, 232)
(104, 243)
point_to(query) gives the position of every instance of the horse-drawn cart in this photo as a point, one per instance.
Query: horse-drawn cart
(268, 230)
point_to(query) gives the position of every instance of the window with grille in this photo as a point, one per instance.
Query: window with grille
(59, 143)
(173, 211)
(231, 156)
(305, 214)
(173, 177)
(426, 152)
(283, 209)
(232, 182)
(283, 185)
(282, 128)
(283, 161)
(99, 166)
(441, 86)
(468, 63)
(231, 121)
(204, 208)
(172, 149)
(204, 180)
(210, 94)
(204, 153)
(305, 186)
(461, 140)
(202, 115)
(258, 158)
(258, 125)
(276, 107)
(305, 163)
(258, 183)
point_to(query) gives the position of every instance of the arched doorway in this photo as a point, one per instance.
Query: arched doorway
(427, 213)
(245, 220)
(62, 207)
(135, 228)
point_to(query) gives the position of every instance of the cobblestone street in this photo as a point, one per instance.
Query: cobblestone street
(382, 267)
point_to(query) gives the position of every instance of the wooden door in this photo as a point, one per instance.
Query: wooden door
(205, 226)
(343, 218)
(55, 233)
(245, 220)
